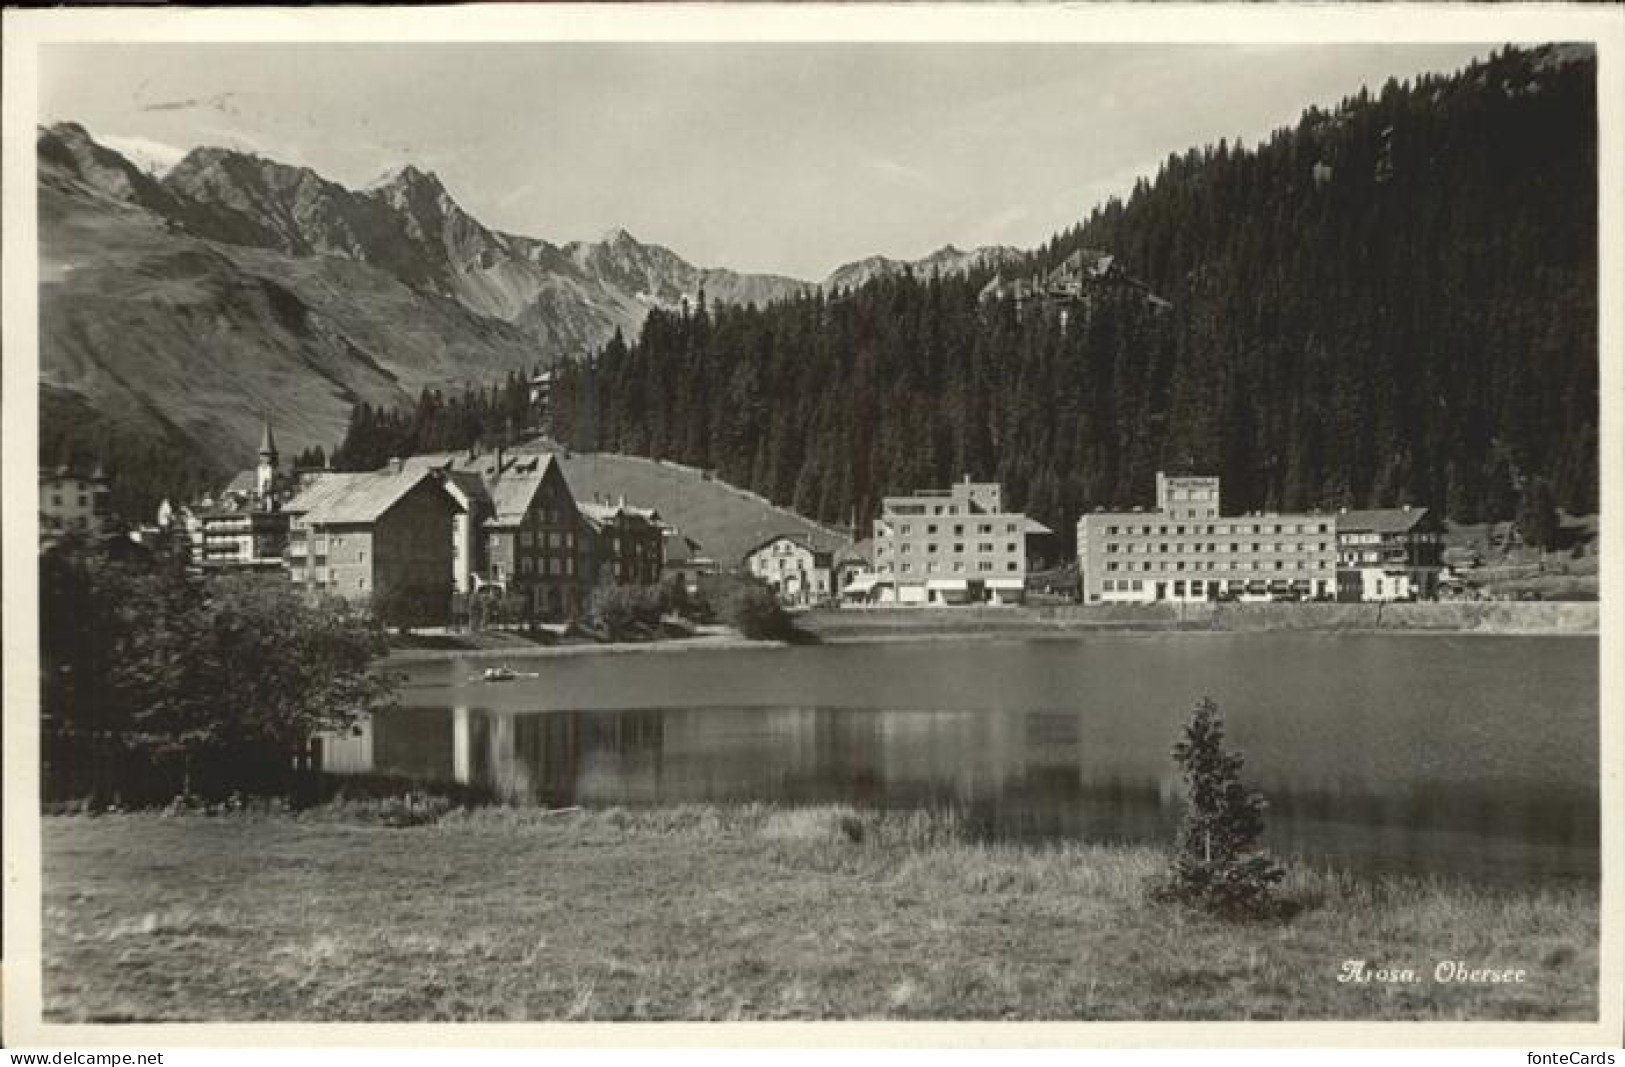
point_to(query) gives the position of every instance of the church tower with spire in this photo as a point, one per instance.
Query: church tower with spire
(265, 476)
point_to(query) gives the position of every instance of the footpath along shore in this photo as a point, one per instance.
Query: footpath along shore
(881, 624)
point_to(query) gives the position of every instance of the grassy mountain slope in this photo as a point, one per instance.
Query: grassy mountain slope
(171, 337)
(727, 521)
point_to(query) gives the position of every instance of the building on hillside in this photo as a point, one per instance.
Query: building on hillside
(683, 559)
(1389, 554)
(522, 533)
(622, 544)
(243, 527)
(1187, 549)
(1074, 283)
(383, 537)
(798, 570)
(72, 500)
(955, 546)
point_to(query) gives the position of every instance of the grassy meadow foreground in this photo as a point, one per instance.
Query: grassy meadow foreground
(700, 913)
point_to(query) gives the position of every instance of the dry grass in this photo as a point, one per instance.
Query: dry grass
(750, 912)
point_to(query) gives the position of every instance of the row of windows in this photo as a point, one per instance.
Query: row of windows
(1208, 565)
(531, 538)
(959, 528)
(1198, 587)
(1224, 528)
(1233, 547)
(530, 565)
(958, 549)
(982, 567)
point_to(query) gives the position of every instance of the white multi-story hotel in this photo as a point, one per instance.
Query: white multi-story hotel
(954, 546)
(1187, 549)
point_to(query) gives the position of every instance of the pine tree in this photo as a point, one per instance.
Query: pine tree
(1220, 865)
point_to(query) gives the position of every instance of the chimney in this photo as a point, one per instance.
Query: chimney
(397, 464)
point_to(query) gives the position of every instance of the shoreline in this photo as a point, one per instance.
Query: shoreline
(895, 626)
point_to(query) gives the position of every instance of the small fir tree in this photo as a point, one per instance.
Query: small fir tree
(1220, 865)
(1537, 519)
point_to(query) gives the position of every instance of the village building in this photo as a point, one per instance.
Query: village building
(1074, 283)
(683, 559)
(800, 571)
(622, 544)
(520, 531)
(1386, 554)
(854, 564)
(244, 527)
(383, 537)
(72, 500)
(955, 546)
(1187, 549)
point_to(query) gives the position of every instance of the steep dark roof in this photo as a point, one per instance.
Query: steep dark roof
(356, 498)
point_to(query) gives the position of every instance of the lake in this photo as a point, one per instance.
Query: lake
(1460, 756)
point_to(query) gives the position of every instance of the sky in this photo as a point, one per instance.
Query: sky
(789, 158)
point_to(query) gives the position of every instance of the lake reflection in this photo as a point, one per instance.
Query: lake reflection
(1472, 757)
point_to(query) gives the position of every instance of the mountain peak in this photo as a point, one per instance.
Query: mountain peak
(408, 176)
(617, 236)
(67, 131)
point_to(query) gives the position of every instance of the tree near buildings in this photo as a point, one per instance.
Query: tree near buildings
(160, 682)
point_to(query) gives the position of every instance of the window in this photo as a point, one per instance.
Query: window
(959, 530)
(1011, 547)
(1010, 528)
(1010, 566)
(1111, 566)
(931, 529)
(959, 548)
(931, 546)
(907, 528)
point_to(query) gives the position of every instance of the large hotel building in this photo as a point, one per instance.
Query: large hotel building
(1187, 549)
(957, 546)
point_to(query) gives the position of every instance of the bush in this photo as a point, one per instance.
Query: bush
(1219, 865)
(159, 682)
(756, 613)
(624, 611)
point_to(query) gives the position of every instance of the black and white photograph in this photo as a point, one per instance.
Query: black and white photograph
(630, 517)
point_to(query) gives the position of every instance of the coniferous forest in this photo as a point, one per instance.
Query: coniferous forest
(1391, 302)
